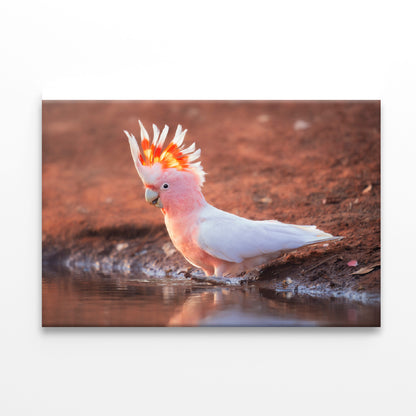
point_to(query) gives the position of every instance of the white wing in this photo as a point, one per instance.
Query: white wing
(234, 239)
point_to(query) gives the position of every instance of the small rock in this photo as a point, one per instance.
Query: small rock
(287, 282)
(192, 112)
(266, 200)
(82, 209)
(168, 249)
(121, 246)
(263, 118)
(301, 125)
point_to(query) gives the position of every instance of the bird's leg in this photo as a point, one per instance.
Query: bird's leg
(207, 273)
(219, 271)
(217, 277)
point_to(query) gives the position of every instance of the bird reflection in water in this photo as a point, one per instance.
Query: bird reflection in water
(113, 300)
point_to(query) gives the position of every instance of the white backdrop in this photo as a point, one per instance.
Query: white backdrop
(191, 50)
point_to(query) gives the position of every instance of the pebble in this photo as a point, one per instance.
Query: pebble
(266, 200)
(287, 282)
(121, 246)
(263, 118)
(301, 125)
(82, 209)
(168, 249)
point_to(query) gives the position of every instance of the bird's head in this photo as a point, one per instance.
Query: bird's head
(170, 173)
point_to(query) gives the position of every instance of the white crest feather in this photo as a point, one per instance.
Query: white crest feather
(143, 132)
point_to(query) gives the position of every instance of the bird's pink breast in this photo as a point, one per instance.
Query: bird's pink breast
(184, 235)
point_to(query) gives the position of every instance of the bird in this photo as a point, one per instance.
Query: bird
(218, 242)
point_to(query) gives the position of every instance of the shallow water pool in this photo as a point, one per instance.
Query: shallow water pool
(94, 299)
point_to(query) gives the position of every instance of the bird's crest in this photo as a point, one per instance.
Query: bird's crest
(175, 155)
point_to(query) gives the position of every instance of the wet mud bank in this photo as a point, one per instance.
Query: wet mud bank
(319, 271)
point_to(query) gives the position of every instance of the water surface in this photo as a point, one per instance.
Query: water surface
(94, 299)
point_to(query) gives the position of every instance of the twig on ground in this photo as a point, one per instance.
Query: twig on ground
(320, 263)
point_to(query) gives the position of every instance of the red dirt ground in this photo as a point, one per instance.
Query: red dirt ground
(260, 165)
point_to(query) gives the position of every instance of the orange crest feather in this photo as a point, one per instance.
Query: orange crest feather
(175, 155)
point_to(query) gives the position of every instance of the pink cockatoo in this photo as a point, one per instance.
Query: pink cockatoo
(215, 241)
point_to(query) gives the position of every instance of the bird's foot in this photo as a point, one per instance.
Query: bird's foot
(221, 281)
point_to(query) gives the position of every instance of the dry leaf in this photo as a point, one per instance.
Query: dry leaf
(367, 269)
(367, 190)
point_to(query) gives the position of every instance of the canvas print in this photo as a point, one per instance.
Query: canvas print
(211, 213)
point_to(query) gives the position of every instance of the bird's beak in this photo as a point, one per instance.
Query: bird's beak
(152, 197)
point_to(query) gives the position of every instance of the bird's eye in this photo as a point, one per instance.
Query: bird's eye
(165, 186)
